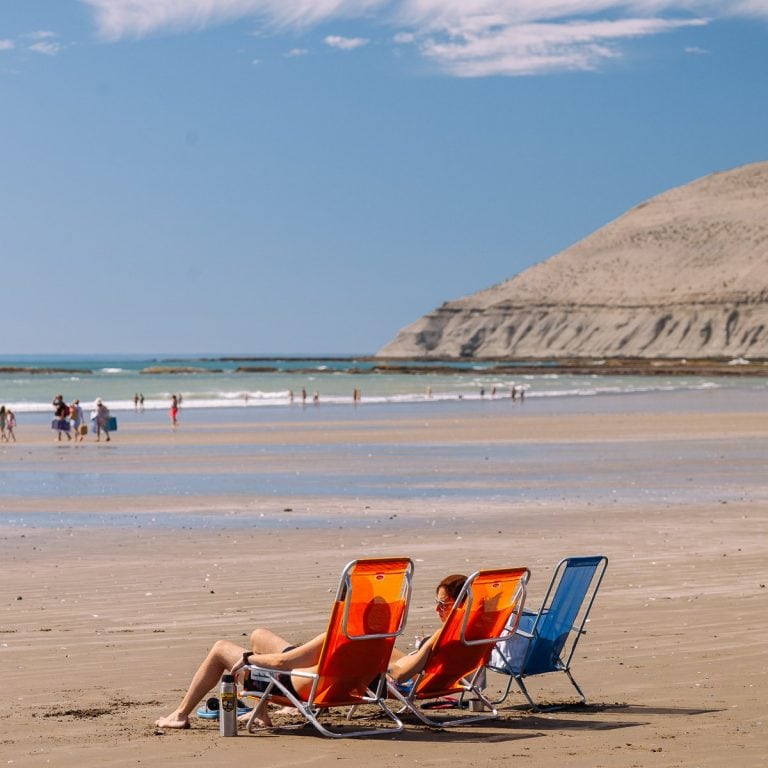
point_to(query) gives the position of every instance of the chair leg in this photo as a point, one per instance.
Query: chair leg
(521, 685)
(537, 708)
(576, 686)
(504, 695)
(411, 706)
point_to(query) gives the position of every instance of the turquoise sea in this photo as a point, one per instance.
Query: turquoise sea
(223, 382)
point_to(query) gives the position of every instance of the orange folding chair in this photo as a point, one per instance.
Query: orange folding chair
(369, 612)
(488, 601)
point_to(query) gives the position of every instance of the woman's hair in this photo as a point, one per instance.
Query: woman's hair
(452, 584)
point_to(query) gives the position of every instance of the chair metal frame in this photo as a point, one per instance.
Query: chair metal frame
(445, 645)
(558, 599)
(312, 708)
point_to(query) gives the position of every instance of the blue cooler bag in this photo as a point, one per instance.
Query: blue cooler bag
(111, 424)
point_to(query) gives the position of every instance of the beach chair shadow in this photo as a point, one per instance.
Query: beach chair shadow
(545, 641)
(488, 601)
(368, 613)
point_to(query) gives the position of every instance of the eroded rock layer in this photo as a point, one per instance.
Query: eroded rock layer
(684, 274)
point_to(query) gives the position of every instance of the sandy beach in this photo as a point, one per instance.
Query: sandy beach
(123, 562)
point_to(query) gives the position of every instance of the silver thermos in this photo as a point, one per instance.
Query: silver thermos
(227, 706)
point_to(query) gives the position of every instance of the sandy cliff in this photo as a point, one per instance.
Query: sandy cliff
(684, 274)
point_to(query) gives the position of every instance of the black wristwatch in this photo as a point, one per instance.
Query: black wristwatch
(247, 655)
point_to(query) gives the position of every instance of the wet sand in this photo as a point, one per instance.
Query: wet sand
(109, 600)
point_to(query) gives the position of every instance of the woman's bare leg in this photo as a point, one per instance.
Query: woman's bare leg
(220, 658)
(266, 641)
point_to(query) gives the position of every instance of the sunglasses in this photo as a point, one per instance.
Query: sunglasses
(443, 603)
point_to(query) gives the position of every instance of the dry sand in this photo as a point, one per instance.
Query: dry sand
(102, 626)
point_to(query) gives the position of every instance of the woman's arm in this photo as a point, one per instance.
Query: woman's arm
(405, 667)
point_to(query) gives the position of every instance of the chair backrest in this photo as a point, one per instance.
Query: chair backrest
(477, 620)
(368, 613)
(564, 613)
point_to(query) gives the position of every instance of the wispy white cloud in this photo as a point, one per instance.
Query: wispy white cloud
(345, 43)
(40, 34)
(117, 19)
(694, 50)
(524, 49)
(468, 38)
(45, 42)
(296, 52)
(7, 45)
(46, 48)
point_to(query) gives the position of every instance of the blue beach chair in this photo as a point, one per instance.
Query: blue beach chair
(546, 641)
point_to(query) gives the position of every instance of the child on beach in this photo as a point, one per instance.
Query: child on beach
(271, 650)
(10, 426)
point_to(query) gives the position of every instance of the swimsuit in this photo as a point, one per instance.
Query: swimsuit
(259, 686)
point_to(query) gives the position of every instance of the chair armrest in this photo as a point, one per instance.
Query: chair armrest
(271, 671)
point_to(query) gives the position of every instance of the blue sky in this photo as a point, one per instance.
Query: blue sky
(263, 176)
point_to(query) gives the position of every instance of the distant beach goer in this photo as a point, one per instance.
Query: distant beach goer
(10, 426)
(429, 391)
(290, 396)
(3, 422)
(141, 401)
(179, 399)
(270, 650)
(76, 420)
(316, 397)
(102, 420)
(174, 410)
(493, 391)
(61, 417)
(303, 395)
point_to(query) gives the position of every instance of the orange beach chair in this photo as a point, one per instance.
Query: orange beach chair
(488, 602)
(368, 613)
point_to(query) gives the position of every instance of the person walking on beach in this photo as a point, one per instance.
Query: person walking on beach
(76, 420)
(61, 417)
(102, 420)
(3, 422)
(10, 426)
(270, 650)
(174, 410)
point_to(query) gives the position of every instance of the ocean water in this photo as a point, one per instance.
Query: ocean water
(217, 382)
(218, 396)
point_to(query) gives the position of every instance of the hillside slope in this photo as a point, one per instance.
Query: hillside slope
(684, 274)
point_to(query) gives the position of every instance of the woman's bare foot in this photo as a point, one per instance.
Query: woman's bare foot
(286, 710)
(174, 720)
(263, 720)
